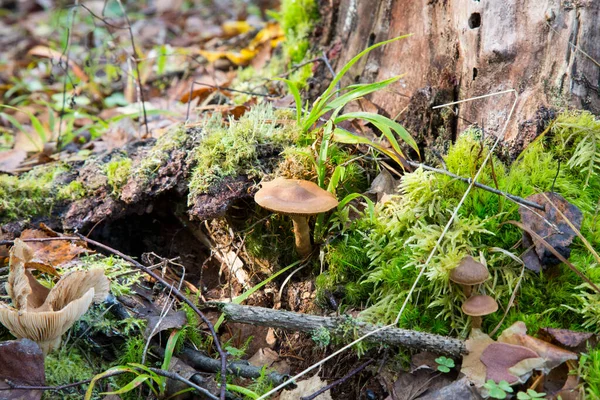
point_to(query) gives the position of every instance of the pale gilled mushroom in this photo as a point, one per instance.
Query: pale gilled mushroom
(299, 199)
(469, 273)
(44, 315)
(478, 306)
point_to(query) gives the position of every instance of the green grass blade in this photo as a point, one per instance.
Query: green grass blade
(353, 61)
(170, 348)
(385, 121)
(343, 136)
(297, 98)
(120, 368)
(137, 381)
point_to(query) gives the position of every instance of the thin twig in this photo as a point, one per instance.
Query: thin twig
(509, 196)
(13, 386)
(180, 296)
(12, 242)
(338, 382)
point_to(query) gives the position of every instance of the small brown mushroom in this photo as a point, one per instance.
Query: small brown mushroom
(469, 273)
(478, 306)
(299, 199)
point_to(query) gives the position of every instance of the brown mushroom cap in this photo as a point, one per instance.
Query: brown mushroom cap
(294, 197)
(469, 272)
(480, 305)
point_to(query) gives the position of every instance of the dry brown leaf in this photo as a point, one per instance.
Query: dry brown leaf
(306, 388)
(553, 355)
(11, 159)
(557, 233)
(499, 358)
(50, 254)
(472, 367)
(47, 52)
(21, 362)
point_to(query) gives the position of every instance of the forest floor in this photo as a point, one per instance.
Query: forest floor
(134, 140)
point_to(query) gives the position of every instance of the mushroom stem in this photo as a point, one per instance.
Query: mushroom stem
(302, 235)
(467, 290)
(476, 322)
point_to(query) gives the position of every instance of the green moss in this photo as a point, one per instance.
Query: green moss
(378, 256)
(118, 171)
(297, 19)
(66, 366)
(30, 194)
(160, 154)
(589, 370)
(227, 151)
(72, 191)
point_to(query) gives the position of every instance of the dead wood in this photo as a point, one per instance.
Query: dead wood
(310, 323)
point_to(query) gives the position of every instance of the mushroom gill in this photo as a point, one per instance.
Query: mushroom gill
(44, 315)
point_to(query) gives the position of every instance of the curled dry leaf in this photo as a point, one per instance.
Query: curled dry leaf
(50, 254)
(551, 226)
(553, 355)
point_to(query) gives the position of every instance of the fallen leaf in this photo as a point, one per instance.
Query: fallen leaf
(553, 355)
(500, 357)
(11, 159)
(567, 337)
(21, 362)
(383, 184)
(460, 389)
(159, 323)
(551, 226)
(50, 254)
(47, 52)
(264, 356)
(472, 367)
(412, 385)
(306, 388)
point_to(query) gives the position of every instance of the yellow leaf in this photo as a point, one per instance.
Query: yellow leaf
(234, 28)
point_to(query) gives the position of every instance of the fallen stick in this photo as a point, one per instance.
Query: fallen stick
(199, 361)
(309, 323)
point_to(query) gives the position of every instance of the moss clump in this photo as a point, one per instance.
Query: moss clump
(72, 191)
(386, 247)
(160, 154)
(589, 370)
(117, 172)
(30, 194)
(66, 366)
(237, 147)
(297, 20)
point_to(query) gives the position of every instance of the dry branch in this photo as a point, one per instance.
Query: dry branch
(309, 323)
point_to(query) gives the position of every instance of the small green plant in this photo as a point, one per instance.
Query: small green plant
(117, 172)
(444, 364)
(143, 375)
(498, 390)
(334, 100)
(530, 395)
(321, 336)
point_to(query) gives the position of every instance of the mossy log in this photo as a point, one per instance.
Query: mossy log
(309, 323)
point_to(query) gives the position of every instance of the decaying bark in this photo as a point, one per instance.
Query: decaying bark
(548, 51)
(309, 323)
